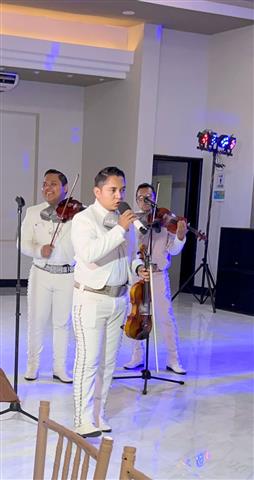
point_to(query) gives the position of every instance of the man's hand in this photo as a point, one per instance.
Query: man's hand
(46, 250)
(181, 229)
(126, 219)
(143, 273)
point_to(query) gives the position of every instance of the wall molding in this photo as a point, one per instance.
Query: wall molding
(54, 56)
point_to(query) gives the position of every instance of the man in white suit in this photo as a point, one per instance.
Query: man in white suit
(103, 257)
(164, 245)
(50, 283)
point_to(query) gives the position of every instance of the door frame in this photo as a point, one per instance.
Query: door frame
(191, 211)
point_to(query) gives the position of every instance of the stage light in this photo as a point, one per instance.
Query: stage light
(210, 141)
(207, 140)
(226, 143)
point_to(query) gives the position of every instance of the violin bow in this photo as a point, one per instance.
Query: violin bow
(152, 289)
(64, 209)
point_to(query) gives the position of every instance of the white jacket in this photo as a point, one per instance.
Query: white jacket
(96, 250)
(36, 232)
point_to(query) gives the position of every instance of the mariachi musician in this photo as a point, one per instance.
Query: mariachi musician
(164, 244)
(47, 239)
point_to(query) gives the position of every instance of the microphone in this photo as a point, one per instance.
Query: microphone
(148, 200)
(137, 223)
(20, 201)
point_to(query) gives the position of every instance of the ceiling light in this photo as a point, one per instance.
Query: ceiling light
(69, 75)
(36, 72)
(128, 12)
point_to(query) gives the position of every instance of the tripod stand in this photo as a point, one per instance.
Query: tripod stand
(145, 373)
(7, 392)
(206, 272)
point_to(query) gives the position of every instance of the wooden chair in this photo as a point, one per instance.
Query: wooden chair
(128, 471)
(72, 453)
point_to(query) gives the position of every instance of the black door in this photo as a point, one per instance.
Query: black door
(184, 182)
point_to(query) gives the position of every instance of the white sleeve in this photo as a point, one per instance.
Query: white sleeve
(90, 247)
(29, 246)
(174, 245)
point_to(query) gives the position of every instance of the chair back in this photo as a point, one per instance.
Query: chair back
(128, 471)
(71, 453)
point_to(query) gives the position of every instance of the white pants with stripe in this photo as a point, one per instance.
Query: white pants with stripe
(49, 296)
(97, 321)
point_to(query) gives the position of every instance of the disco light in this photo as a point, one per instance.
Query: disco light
(212, 142)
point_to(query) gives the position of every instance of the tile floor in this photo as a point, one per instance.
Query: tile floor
(202, 429)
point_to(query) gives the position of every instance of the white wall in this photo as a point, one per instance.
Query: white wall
(230, 110)
(207, 82)
(120, 119)
(111, 122)
(182, 93)
(54, 140)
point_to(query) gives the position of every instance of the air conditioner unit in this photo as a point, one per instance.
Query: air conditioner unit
(8, 81)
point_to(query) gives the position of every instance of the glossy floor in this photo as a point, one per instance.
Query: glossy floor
(202, 429)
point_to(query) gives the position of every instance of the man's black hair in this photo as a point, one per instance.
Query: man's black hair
(106, 172)
(146, 185)
(61, 176)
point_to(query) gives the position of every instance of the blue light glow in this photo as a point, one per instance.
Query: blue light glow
(159, 31)
(75, 135)
(52, 56)
(26, 161)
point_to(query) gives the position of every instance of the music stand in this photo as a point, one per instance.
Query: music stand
(7, 392)
(145, 373)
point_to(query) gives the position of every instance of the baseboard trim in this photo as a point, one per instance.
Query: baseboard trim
(12, 282)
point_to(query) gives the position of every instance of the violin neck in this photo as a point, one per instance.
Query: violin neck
(199, 235)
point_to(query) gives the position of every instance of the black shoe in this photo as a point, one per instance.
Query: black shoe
(133, 366)
(63, 378)
(30, 379)
(176, 369)
(92, 434)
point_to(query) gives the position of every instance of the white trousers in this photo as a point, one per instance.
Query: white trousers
(97, 321)
(164, 318)
(49, 296)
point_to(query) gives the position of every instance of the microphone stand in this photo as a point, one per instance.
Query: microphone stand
(146, 373)
(7, 392)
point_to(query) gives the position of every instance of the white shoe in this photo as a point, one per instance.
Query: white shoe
(176, 368)
(103, 425)
(31, 373)
(134, 363)
(88, 429)
(62, 376)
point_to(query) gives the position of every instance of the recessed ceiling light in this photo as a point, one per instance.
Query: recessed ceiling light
(36, 72)
(128, 12)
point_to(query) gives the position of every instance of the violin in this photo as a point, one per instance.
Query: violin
(139, 323)
(165, 218)
(68, 208)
